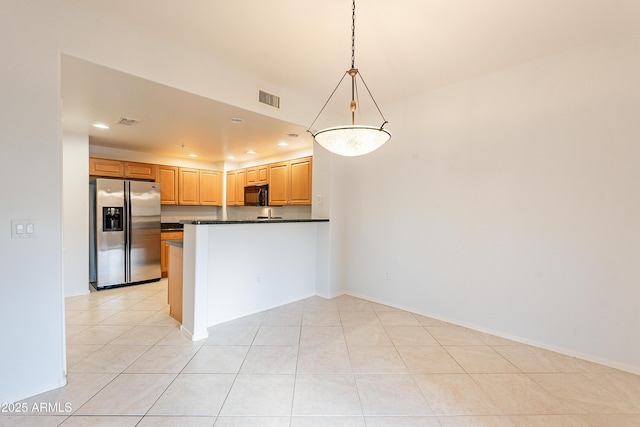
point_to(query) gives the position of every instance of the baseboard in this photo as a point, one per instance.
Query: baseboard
(258, 310)
(34, 391)
(191, 336)
(562, 350)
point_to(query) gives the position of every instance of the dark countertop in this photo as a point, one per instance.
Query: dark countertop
(177, 243)
(171, 226)
(255, 221)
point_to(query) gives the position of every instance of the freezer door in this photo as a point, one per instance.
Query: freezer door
(144, 231)
(110, 232)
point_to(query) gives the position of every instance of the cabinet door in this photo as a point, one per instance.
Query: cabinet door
(241, 176)
(164, 248)
(106, 167)
(300, 193)
(279, 183)
(174, 283)
(167, 176)
(252, 176)
(188, 186)
(231, 188)
(210, 188)
(139, 170)
(164, 258)
(263, 174)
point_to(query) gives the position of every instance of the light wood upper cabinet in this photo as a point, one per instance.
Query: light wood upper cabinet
(252, 176)
(188, 186)
(167, 176)
(139, 170)
(236, 181)
(279, 183)
(241, 177)
(231, 188)
(263, 174)
(106, 167)
(257, 175)
(290, 182)
(300, 193)
(210, 188)
(121, 169)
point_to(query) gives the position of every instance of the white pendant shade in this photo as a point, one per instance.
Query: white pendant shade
(352, 140)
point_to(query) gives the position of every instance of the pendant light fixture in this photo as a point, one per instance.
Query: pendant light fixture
(352, 140)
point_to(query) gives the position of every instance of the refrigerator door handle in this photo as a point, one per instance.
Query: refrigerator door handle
(127, 237)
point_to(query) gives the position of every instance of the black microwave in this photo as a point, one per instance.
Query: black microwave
(256, 195)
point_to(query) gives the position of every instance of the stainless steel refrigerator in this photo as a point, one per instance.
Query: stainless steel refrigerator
(124, 245)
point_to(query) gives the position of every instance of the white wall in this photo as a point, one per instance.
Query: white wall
(510, 203)
(34, 34)
(31, 289)
(321, 189)
(233, 270)
(255, 267)
(75, 183)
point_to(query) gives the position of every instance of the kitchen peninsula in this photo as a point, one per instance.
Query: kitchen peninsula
(235, 268)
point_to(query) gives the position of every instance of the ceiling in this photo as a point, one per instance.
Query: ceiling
(172, 122)
(402, 47)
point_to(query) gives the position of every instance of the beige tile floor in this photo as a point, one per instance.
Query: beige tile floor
(316, 362)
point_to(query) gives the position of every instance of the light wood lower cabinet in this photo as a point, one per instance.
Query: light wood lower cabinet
(164, 249)
(174, 285)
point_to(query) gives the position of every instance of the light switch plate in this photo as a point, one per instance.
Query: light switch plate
(24, 228)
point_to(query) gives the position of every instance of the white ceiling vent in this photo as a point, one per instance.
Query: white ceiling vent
(127, 121)
(268, 99)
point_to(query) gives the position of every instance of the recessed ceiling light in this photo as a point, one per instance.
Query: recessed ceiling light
(292, 135)
(231, 157)
(236, 120)
(193, 155)
(251, 152)
(282, 144)
(100, 126)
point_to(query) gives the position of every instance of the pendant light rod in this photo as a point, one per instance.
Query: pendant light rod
(353, 72)
(353, 35)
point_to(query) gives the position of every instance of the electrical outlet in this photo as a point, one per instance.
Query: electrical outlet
(387, 275)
